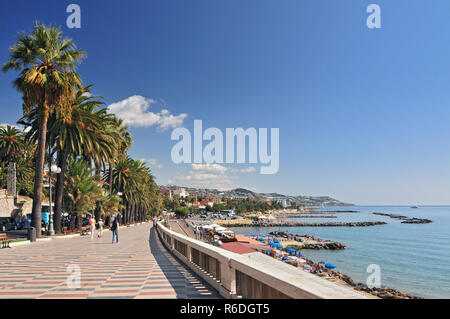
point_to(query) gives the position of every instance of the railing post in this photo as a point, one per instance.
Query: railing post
(228, 277)
(189, 252)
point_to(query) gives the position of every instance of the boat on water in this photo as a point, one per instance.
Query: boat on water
(414, 206)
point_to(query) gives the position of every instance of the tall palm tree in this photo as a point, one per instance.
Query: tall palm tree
(75, 137)
(67, 137)
(47, 81)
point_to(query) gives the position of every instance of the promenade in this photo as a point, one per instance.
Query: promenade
(138, 267)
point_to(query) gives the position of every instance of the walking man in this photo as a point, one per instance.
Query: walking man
(115, 230)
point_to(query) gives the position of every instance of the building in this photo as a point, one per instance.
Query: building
(180, 192)
(229, 212)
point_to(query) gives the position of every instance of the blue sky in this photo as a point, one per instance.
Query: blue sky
(363, 113)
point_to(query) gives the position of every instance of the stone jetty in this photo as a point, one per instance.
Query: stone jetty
(405, 219)
(308, 242)
(339, 211)
(301, 224)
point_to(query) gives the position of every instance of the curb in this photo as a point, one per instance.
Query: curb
(20, 243)
(27, 242)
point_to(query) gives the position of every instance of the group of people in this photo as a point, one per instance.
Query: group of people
(114, 228)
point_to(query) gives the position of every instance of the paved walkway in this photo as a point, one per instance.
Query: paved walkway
(135, 268)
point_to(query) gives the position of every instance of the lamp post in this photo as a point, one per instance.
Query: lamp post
(55, 169)
(120, 203)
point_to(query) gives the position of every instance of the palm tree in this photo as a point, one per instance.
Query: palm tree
(68, 137)
(47, 81)
(82, 188)
(75, 137)
(11, 144)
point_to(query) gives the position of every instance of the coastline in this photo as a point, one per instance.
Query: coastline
(321, 270)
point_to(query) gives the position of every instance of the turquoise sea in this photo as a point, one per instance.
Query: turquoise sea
(414, 258)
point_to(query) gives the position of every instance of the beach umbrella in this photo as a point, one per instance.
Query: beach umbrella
(276, 241)
(322, 262)
(331, 266)
(307, 268)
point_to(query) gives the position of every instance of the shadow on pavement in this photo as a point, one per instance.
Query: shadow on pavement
(183, 281)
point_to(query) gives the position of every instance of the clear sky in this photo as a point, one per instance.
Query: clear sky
(363, 113)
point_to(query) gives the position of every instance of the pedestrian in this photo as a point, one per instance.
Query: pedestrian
(115, 230)
(92, 225)
(100, 227)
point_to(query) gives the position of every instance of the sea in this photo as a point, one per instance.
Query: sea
(414, 258)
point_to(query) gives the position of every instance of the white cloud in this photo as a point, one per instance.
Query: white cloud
(249, 169)
(152, 162)
(210, 176)
(209, 167)
(135, 112)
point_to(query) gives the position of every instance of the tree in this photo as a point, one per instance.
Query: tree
(182, 212)
(47, 81)
(82, 188)
(11, 145)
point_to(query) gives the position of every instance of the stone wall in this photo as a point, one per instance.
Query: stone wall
(9, 209)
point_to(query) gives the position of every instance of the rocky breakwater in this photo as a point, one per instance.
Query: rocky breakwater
(386, 292)
(301, 224)
(381, 292)
(405, 219)
(308, 242)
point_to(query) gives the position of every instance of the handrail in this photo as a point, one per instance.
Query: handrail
(231, 273)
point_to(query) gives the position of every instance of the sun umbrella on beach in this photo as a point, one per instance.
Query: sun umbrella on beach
(331, 266)
(322, 262)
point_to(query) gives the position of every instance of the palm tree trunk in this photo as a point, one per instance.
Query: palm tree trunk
(110, 178)
(59, 191)
(36, 216)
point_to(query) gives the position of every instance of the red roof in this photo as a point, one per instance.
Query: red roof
(237, 247)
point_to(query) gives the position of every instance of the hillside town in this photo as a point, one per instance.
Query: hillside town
(201, 198)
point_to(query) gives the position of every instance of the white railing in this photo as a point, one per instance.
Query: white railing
(237, 276)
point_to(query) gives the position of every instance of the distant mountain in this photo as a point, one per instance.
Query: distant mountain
(242, 193)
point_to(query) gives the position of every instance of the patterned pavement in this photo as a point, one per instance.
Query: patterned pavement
(137, 267)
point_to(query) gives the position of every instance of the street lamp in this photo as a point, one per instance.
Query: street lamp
(120, 202)
(55, 169)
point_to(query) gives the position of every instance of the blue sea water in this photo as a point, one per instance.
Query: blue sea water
(414, 258)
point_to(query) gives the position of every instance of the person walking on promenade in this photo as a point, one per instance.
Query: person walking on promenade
(115, 230)
(100, 227)
(92, 225)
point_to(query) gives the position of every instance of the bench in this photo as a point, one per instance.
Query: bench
(5, 241)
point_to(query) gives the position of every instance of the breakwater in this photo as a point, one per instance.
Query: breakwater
(406, 219)
(339, 211)
(308, 242)
(301, 224)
